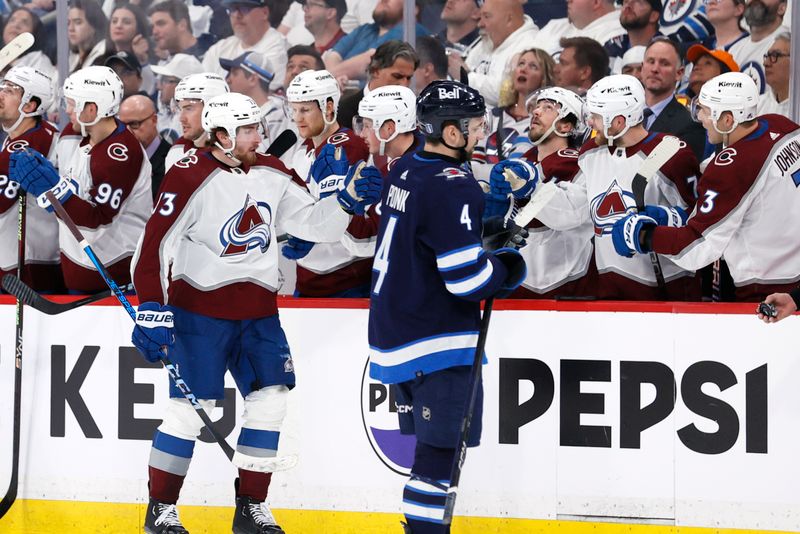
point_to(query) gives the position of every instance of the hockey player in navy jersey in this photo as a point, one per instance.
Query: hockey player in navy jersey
(558, 253)
(748, 205)
(209, 259)
(429, 275)
(329, 151)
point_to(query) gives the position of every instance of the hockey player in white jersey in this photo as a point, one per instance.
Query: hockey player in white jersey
(324, 270)
(748, 205)
(25, 95)
(104, 182)
(601, 192)
(191, 94)
(558, 255)
(209, 258)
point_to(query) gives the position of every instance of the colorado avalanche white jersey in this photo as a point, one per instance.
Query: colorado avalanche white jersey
(177, 152)
(747, 212)
(42, 270)
(113, 202)
(211, 245)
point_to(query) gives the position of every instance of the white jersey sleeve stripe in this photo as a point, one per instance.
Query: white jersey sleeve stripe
(457, 259)
(470, 284)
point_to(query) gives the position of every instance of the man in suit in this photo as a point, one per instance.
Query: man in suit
(661, 71)
(138, 113)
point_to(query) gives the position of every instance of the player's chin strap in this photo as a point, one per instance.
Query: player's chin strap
(551, 130)
(724, 134)
(22, 116)
(382, 149)
(78, 111)
(229, 151)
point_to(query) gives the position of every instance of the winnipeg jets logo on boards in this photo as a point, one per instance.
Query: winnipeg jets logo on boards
(379, 409)
(247, 229)
(607, 208)
(19, 144)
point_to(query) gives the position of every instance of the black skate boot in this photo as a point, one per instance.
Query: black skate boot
(253, 517)
(162, 518)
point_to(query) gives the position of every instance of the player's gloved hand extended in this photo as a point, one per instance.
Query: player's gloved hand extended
(328, 169)
(153, 330)
(671, 216)
(499, 232)
(516, 268)
(296, 248)
(515, 177)
(626, 234)
(36, 175)
(362, 188)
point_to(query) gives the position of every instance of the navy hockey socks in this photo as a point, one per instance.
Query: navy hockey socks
(253, 484)
(425, 492)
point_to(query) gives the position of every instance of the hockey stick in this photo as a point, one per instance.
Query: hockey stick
(240, 460)
(18, 46)
(282, 143)
(662, 153)
(31, 298)
(11, 493)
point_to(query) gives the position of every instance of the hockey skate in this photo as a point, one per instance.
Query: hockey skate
(162, 518)
(253, 517)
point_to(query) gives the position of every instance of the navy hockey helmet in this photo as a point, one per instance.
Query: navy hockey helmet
(447, 100)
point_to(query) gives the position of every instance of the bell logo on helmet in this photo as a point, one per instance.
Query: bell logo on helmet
(444, 94)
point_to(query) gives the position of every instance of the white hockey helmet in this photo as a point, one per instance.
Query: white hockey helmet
(317, 86)
(734, 92)
(98, 85)
(569, 103)
(389, 103)
(202, 86)
(34, 83)
(615, 95)
(229, 111)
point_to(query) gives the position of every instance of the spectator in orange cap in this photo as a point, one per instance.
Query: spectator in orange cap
(707, 64)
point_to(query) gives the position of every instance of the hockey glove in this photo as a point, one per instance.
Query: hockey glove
(515, 265)
(153, 331)
(362, 188)
(296, 248)
(36, 175)
(671, 216)
(514, 176)
(501, 233)
(327, 171)
(626, 231)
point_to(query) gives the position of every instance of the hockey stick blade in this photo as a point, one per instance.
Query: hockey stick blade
(18, 46)
(29, 297)
(539, 200)
(263, 465)
(282, 143)
(661, 154)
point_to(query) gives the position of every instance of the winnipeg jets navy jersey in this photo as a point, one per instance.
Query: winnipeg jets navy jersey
(430, 271)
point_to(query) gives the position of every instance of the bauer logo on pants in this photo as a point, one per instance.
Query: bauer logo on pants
(379, 415)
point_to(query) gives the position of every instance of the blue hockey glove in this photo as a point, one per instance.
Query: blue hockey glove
(497, 204)
(362, 188)
(671, 216)
(153, 330)
(327, 171)
(626, 231)
(501, 233)
(517, 271)
(36, 175)
(514, 176)
(296, 248)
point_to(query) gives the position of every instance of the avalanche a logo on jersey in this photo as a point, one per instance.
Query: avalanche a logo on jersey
(247, 229)
(609, 207)
(379, 414)
(755, 70)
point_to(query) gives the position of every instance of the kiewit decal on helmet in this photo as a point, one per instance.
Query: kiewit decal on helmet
(98, 85)
(569, 103)
(389, 103)
(229, 111)
(445, 100)
(34, 83)
(315, 86)
(735, 92)
(612, 96)
(201, 86)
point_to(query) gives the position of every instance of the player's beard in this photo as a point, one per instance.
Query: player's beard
(757, 13)
(635, 23)
(248, 158)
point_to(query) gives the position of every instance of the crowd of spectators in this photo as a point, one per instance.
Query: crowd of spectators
(504, 48)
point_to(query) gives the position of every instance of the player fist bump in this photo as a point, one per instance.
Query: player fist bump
(36, 175)
(627, 231)
(153, 332)
(514, 176)
(296, 248)
(671, 216)
(362, 188)
(328, 168)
